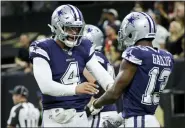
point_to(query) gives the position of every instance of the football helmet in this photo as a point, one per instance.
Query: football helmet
(95, 35)
(136, 26)
(67, 24)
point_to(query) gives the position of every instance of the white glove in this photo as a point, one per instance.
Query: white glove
(93, 110)
(113, 121)
(61, 115)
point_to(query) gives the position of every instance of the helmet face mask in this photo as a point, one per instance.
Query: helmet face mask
(124, 40)
(121, 37)
(73, 33)
(67, 24)
(70, 35)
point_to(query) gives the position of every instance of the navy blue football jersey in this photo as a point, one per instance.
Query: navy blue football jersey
(67, 68)
(154, 66)
(107, 66)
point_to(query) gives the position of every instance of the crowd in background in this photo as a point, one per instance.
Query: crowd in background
(25, 7)
(170, 34)
(169, 19)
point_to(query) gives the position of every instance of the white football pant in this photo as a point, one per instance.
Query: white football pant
(79, 120)
(97, 120)
(141, 122)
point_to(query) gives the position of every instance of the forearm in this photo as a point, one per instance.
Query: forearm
(43, 76)
(53, 88)
(106, 99)
(113, 93)
(122, 80)
(99, 73)
(88, 76)
(17, 60)
(164, 14)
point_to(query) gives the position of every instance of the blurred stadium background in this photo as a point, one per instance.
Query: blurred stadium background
(26, 21)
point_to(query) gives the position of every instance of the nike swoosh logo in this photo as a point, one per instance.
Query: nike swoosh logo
(57, 114)
(81, 115)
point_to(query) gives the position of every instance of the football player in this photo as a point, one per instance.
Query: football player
(58, 66)
(96, 36)
(143, 73)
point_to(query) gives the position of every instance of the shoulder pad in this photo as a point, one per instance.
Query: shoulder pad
(133, 55)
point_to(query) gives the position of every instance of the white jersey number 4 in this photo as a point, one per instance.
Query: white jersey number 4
(71, 76)
(150, 97)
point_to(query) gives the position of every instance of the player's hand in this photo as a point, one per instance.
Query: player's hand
(23, 64)
(87, 88)
(91, 110)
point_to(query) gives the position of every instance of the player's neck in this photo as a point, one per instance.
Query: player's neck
(144, 43)
(60, 44)
(23, 100)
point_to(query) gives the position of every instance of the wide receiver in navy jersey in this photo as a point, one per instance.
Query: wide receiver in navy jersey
(143, 74)
(58, 66)
(96, 36)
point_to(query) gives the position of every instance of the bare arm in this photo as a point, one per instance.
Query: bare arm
(20, 62)
(88, 76)
(123, 79)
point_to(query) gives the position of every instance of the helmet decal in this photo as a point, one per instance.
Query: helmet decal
(136, 26)
(132, 19)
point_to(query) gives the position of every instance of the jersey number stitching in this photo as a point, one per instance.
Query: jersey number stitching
(71, 75)
(150, 97)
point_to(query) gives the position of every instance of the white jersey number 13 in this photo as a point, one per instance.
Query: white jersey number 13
(150, 97)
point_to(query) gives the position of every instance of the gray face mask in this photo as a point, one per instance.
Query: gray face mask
(67, 16)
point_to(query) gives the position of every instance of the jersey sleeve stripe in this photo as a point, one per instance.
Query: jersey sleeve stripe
(39, 51)
(100, 59)
(91, 50)
(132, 59)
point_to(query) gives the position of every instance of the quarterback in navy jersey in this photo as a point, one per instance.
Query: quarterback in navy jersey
(143, 74)
(96, 36)
(58, 66)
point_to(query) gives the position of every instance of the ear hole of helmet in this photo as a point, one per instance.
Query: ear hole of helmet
(55, 27)
(63, 28)
(130, 35)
